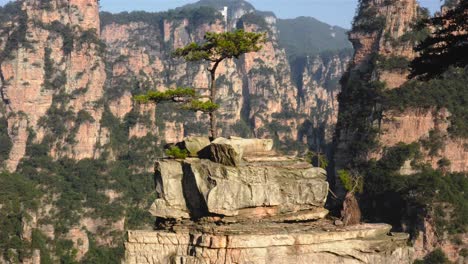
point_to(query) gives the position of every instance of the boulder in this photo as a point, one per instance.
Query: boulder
(221, 153)
(194, 144)
(230, 152)
(170, 202)
(198, 188)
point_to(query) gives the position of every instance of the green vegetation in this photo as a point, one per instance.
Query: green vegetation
(393, 63)
(65, 32)
(352, 182)
(197, 16)
(5, 141)
(253, 19)
(384, 189)
(215, 48)
(18, 195)
(435, 257)
(176, 95)
(442, 49)
(367, 19)
(317, 159)
(176, 153)
(202, 106)
(15, 36)
(362, 114)
(448, 91)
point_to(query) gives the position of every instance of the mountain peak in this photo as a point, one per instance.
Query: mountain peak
(219, 4)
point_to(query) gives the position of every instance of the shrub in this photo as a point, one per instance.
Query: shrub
(176, 153)
(351, 181)
(5, 141)
(393, 63)
(435, 257)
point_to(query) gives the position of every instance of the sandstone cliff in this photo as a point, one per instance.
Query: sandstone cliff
(369, 132)
(54, 76)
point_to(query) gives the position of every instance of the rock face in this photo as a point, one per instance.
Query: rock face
(261, 243)
(265, 210)
(257, 94)
(197, 188)
(57, 75)
(44, 67)
(365, 129)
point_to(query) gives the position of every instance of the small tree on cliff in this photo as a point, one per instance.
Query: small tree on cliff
(353, 183)
(215, 48)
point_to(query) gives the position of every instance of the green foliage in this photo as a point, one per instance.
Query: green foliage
(368, 20)
(5, 141)
(197, 16)
(393, 63)
(53, 78)
(242, 129)
(434, 142)
(253, 19)
(103, 255)
(317, 159)
(202, 106)
(91, 36)
(219, 46)
(394, 157)
(442, 49)
(178, 94)
(16, 36)
(65, 31)
(351, 182)
(17, 196)
(435, 257)
(386, 189)
(359, 100)
(449, 91)
(40, 241)
(176, 153)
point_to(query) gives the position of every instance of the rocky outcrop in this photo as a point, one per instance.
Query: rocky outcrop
(198, 188)
(262, 243)
(265, 209)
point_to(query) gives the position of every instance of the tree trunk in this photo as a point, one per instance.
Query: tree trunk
(213, 121)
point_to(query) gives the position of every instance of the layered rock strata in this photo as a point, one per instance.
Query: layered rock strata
(312, 243)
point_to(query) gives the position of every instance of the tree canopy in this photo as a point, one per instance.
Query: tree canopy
(446, 46)
(220, 46)
(215, 48)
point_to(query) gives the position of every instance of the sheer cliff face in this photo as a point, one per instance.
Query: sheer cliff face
(256, 93)
(58, 68)
(380, 34)
(59, 81)
(318, 91)
(248, 89)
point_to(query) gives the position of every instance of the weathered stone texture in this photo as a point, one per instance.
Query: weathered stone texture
(200, 187)
(282, 243)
